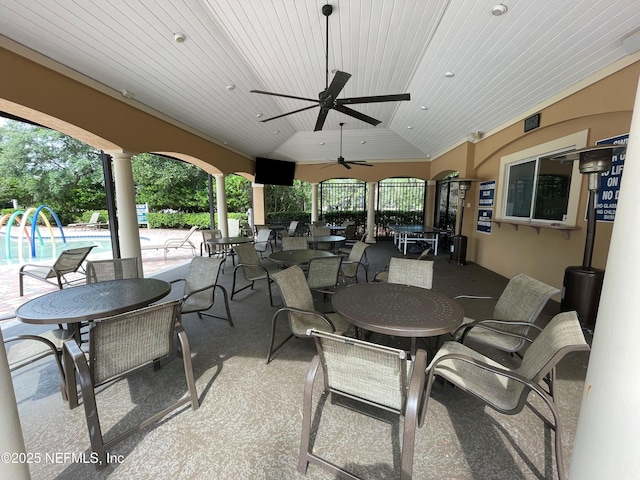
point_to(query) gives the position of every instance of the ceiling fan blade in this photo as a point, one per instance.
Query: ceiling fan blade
(283, 95)
(289, 113)
(358, 115)
(356, 162)
(340, 79)
(374, 99)
(322, 116)
(346, 165)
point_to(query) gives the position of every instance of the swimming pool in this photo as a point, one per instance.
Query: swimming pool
(48, 250)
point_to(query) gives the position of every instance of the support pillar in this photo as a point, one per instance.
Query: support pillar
(259, 209)
(314, 202)
(11, 440)
(371, 212)
(126, 205)
(609, 427)
(221, 204)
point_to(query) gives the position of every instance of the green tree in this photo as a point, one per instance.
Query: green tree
(288, 199)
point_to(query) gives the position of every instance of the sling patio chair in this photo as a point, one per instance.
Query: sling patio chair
(368, 373)
(294, 243)
(298, 305)
(383, 275)
(505, 389)
(290, 231)
(513, 315)
(407, 271)
(199, 291)
(112, 269)
(355, 260)
(94, 222)
(69, 261)
(262, 241)
(323, 274)
(209, 248)
(251, 268)
(118, 346)
(174, 242)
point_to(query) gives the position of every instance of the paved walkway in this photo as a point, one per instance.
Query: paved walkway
(152, 260)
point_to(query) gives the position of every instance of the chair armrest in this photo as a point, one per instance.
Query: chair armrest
(416, 385)
(306, 312)
(486, 324)
(475, 297)
(72, 353)
(207, 287)
(177, 280)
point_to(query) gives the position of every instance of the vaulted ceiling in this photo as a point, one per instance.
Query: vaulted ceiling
(467, 70)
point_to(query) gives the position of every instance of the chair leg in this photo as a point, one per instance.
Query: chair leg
(273, 337)
(303, 458)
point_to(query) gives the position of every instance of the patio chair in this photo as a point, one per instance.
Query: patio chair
(372, 375)
(120, 345)
(407, 271)
(505, 389)
(513, 316)
(294, 243)
(298, 305)
(351, 266)
(290, 231)
(94, 222)
(383, 275)
(69, 261)
(323, 274)
(207, 247)
(174, 242)
(262, 241)
(113, 269)
(251, 268)
(199, 291)
(24, 353)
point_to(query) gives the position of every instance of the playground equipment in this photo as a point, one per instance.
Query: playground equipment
(26, 218)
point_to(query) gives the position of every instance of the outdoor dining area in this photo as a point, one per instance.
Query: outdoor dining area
(297, 356)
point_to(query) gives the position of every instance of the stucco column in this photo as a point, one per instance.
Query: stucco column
(259, 210)
(430, 202)
(126, 204)
(221, 205)
(11, 440)
(314, 202)
(608, 432)
(371, 212)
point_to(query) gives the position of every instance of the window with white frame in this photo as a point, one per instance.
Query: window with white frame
(533, 188)
(537, 189)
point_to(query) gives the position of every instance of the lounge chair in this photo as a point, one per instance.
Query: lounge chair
(94, 222)
(69, 261)
(174, 242)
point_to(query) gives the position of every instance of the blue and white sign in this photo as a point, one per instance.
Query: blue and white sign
(607, 198)
(142, 209)
(484, 221)
(487, 193)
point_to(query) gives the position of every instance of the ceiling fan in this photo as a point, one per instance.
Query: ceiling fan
(328, 98)
(347, 164)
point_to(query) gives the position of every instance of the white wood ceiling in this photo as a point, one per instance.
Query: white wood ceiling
(504, 66)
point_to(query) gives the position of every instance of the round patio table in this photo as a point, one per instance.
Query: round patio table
(398, 310)
(88, 302)
(314, 240)
(297, 257)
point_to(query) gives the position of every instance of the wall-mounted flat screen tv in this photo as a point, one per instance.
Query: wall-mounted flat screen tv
(274, 172)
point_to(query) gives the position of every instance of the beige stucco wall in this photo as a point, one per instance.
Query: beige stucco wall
(109, 122)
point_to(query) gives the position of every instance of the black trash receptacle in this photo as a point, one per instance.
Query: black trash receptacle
(581, 292)
(458, 250)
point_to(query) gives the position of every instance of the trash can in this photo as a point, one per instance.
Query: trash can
(581, 290)
(458, 250)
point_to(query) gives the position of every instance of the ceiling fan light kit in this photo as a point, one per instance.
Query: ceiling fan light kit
(328, 98)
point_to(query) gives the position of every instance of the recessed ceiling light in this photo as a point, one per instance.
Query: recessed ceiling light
(498, 10)
(409, 127)
(362, 142)
(179, 37)
(231, 87)
(449, 74)
(276, 132)
(321, 143)
(423, 107)
(258, 115)
(126, 93)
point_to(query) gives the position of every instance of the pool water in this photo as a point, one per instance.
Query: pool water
(49, 251)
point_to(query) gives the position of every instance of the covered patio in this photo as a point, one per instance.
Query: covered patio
(249, 421)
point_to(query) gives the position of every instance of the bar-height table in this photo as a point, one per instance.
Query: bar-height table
(398, 310)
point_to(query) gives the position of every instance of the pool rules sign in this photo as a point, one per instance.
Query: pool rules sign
(607, 198)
